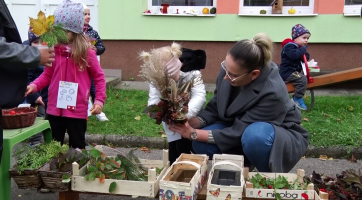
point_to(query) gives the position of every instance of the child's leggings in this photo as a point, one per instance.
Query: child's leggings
(300, 83)
(75, 128)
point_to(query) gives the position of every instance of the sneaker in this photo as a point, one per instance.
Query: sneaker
(300, 103)
(101, 117)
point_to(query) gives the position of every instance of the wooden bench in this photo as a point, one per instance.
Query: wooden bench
(12, 137)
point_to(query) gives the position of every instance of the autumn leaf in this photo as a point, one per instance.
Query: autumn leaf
(330, 158)
(305, 119)
(350, 108)
(352, 159)
(323, 157)
(163, 135)
(102, 178)
(144, 149)
(138, 118)
(42, 24)
(325, 115)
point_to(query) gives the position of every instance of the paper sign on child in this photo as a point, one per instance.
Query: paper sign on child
(67, 95)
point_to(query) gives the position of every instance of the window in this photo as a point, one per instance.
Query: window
(352, 7)
(253, 7)
(181, 6)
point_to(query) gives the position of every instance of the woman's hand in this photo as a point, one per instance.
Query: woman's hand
(184, 129)
(29, 90)
(96, 109)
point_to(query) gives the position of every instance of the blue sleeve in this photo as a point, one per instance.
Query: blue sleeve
(294, 53)
(99, 45)
(31, 98)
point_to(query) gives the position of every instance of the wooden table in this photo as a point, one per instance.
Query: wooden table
(12, 137)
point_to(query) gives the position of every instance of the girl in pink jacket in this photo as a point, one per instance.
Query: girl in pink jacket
(69, 79)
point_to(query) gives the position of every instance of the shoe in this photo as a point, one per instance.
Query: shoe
(299, 102)
(101, 117)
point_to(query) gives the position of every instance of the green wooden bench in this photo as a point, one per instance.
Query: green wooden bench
(12, 137)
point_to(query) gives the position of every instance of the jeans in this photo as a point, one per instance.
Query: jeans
(256, 141)
(93, 91)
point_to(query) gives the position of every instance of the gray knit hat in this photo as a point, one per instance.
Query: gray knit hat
(71, 15)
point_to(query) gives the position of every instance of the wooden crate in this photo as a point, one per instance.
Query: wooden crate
(221, 192)
(250, 192)
(184, 190)
(148, 188)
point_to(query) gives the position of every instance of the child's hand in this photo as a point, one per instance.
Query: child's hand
(39, 100)
(29, 90)
(96, 109)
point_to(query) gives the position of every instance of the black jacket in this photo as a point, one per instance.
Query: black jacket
(15, 58)
(291, 56)
(94, 34)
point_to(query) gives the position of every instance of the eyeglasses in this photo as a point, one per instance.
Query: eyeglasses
(232, 78)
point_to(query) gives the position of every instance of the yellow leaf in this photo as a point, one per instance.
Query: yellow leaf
(350, 108)
(50, 21)
(163, 135)
(303, 157)
(323, 157)
(305, 119)
(330, 158)
(40, 25)
(138, 118)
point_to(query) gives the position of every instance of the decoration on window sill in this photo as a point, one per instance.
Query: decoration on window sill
(291, 11)
(277, 7)
(263, 12)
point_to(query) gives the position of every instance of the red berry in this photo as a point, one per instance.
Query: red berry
(285, 188)
(44, 43)
(12, 112)
(270, 187)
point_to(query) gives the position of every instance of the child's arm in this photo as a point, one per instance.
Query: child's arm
(198, 96)
(294, 53)
(99, 45)
(154, 96)
(31, 98)
(97, 74)
(44, 79)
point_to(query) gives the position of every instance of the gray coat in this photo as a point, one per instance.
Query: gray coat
(264, 100)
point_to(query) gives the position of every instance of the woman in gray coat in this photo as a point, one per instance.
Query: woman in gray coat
(250, 113)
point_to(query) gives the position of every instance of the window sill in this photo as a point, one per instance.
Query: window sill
(351, 15)
(278, 15)
(181, 15)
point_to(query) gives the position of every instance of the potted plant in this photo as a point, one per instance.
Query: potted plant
(32, 159)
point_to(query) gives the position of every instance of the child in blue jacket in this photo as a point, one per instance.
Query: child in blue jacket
(291, 66)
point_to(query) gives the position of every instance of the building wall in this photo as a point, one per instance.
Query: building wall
(335, 43)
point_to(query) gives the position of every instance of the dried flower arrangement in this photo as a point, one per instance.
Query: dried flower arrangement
(173, 106)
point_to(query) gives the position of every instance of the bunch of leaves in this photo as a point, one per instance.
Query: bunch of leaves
(347, 185)
(278, 182)
(49, 34)
(64, 161)
(174, 107)
(120, 168)
(35, 157)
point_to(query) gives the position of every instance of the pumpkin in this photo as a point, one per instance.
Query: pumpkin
(291, 11)
(205, 11)
(213, 10)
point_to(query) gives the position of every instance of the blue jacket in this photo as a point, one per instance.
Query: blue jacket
(291, 55)
(94, 34)
(34, 73)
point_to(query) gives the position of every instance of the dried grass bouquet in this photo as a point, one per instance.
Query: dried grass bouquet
(175, 97)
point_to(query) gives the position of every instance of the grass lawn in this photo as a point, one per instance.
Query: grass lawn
(332, 121)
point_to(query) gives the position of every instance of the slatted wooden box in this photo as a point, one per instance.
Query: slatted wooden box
(231, 163)
(191, 184)
(148, 188)
(250, 192)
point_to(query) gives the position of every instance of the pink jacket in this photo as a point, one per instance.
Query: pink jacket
(64, 69)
